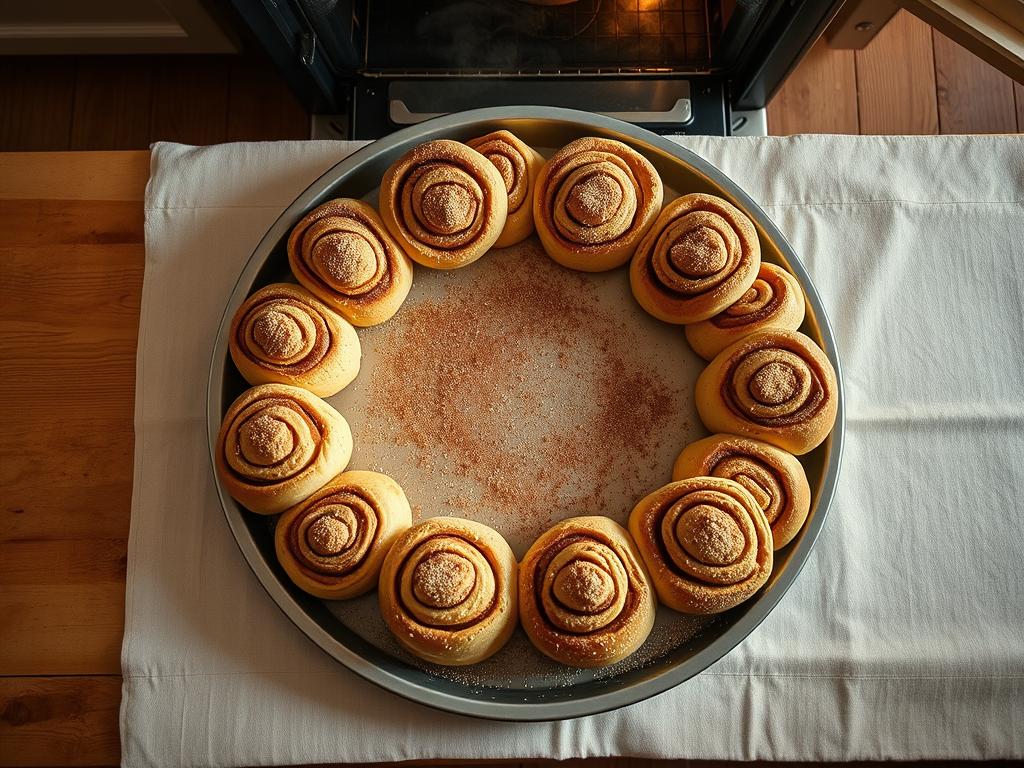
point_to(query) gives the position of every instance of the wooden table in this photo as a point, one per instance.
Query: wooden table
(71, 263)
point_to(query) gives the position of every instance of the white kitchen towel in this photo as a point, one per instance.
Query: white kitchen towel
(903, 637)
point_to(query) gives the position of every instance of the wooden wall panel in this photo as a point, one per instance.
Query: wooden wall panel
(973, 96)
(36, 97)
(896, 80)
(113, 99)
(820, 96)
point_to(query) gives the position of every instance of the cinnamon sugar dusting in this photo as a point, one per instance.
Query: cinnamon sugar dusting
(517, 394)
(265, 440)
(278, 335)
(347, 258)
(774, 383)
(583, 587)
(593, 200)
(443, 580)
(710, 535)
(448, 208)
(700, 252)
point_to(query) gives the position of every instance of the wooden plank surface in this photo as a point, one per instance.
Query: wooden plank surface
(973, 96)
(820, 96)
(59, 721)
(113, 98)
(70, 288)
(259, 108)
(190, 95)
(896, 80)
(36, 97)
(1018, 95)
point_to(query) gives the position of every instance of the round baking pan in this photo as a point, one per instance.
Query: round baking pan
(358, 175)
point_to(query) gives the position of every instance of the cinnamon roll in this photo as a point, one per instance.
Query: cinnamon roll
(595, 200)
(283, 334)
(445, 203)
(343, 254)
(518, 163)
(278, 444)
(776, 386)
(448, 591)
(775, 300)
(701, 255)
(332, 544)
(774, 478)
(706, 542)
(585, 598)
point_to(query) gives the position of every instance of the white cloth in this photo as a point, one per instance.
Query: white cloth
(902, 637)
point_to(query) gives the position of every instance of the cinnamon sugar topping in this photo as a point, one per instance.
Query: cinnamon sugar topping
(699, 253)
(328, 536)
(448, 208)
(277, 334)
(443, 580)
(593, 200)
(774, 383)
(710, 535)
(347, 258)
(583, 587)
(265, 440)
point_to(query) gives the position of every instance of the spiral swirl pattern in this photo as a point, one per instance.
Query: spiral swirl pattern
(342, 253)
(278, 444)
(706, 542)
(518, 164)
(777, 386)
(774, 478)
(332, 545)
(283, 334)
(585, 598)
(701, 256)
(445, 203)
(775, 300)
(595, 200)
(447, 591)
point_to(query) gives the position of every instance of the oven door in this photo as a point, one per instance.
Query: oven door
(672, 66)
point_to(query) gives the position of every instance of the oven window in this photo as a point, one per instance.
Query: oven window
(516, 36)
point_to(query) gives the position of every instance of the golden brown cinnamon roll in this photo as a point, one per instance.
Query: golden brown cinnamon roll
(595, 200)
(277, 445)
(776, 386)
(706, 542)
(445, 203)
(518, 163)
(701, 255)
(448, 591)
(332, 544)
(283, 334)
(584, 596)
(775, 300)
(343, 254)
(774, 478)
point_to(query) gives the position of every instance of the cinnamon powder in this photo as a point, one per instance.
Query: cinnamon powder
(517, 393)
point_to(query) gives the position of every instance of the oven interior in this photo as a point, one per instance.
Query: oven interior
(674, 66)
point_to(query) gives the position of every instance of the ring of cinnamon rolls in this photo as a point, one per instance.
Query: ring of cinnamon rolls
(587, 590)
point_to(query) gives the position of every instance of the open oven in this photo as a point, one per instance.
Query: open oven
(673, 66)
